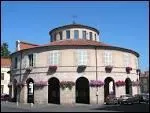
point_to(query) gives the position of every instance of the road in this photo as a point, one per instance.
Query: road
(12, 107)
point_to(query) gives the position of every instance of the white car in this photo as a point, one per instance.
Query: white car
(125, 99)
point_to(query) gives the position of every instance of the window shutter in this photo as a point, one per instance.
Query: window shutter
(78, 57)
(50, 58)
(18, 62)
(34, 59)
(24, 62)
(104, 58)
(85, 57)
(27, 60)
(13, 63)
(59, 57)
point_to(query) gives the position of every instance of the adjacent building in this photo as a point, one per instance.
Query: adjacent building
(5, 76)
(74, 67)
(144, 80)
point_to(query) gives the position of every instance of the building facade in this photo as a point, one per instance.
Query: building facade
(144, 80)
(75, 67)
(5, 76)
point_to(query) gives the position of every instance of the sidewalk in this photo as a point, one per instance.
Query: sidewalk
(52, 107)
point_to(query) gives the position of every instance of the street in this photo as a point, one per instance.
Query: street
(12, 107)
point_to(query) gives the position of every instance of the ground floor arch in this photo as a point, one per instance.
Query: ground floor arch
(30, 90)
(53, 91)
(109, 87)
(128, 86)
(15, 90)
(82, 90)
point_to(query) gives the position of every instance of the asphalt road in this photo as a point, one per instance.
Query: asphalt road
(12, 107)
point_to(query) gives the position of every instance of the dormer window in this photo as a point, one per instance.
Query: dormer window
(54, 39)
(95, 37)
(68, 34)
(76, 34)
(84, 34)
(91, 36)
(60, 34)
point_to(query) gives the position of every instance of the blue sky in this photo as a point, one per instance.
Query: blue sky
(123, 24)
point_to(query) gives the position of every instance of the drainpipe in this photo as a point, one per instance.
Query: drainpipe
(20, 71)
(138, 88)
(96, 75)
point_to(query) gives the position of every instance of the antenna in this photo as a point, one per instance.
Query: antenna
(74, 17)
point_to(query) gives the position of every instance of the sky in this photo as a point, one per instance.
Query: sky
(124, 24)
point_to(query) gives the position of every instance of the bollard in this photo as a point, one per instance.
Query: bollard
(17, 104)
(31, 104)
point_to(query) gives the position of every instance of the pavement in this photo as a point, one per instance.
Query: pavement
(26, 107)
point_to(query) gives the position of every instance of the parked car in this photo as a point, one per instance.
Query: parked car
(4, 97)
(111, 99)
(145, 98)
(138, 98)
(126, 99)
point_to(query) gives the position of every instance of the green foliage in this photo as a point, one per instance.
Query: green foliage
(4, 50)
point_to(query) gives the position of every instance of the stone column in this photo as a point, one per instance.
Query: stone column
(23, 94)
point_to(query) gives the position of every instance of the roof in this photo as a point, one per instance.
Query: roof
(26, 45)
(5, 62)
(74, 26)
(81, 42)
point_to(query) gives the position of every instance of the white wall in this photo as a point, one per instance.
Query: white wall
(6, 79)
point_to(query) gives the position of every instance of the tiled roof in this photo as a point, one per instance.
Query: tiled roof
(79, 42)
(5, 62)
(26, 45)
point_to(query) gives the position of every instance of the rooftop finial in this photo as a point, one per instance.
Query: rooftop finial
(74, 16)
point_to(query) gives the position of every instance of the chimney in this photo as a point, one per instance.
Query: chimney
(18, 45)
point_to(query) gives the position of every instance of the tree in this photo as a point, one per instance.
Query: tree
(4, 50)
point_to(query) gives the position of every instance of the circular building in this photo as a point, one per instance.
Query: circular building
(75, 67)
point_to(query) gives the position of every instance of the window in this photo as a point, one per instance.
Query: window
(16, 62)
(2, 89)
(126, 60)
(82, 57)
(54, 39)
(30, 59)
(84, 34)
(51, 39)
(91, 36)
(54, 58)
(68, 34)
(95, 37)
(76, 34)
(2, 76)
(60, 33)
(107, 58)
(136, 63)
